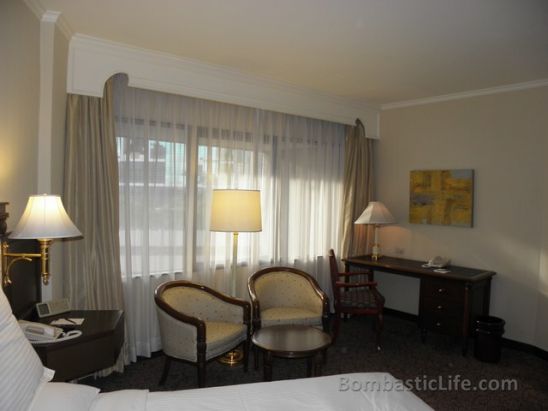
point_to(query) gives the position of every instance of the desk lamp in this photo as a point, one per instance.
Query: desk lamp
(376, 214)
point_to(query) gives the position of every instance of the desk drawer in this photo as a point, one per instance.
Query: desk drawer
(443, 290)
(441, 323)
(440, 306)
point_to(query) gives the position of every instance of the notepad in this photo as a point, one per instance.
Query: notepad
(68, 321)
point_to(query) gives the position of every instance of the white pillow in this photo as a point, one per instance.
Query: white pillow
(61, 396)
(21, 371)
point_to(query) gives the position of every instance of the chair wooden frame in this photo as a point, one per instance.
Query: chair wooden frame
(313, 283)
(340, 287)
(201, 345)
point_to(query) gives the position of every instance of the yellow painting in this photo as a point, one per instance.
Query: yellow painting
(442, 197)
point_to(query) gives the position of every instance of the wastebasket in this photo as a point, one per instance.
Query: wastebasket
(489, 332)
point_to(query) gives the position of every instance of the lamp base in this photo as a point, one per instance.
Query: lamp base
(376, 252)
(232, 358)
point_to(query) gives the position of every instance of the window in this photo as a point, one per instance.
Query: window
(173, 150)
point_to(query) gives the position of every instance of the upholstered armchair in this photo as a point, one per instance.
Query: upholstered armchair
(283, 295)
(198, 324)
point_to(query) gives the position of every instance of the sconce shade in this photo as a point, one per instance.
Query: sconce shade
(236, 211)
(45, 218)
(375, 213)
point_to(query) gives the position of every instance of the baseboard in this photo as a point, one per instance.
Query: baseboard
(524, 347)
(506, 342)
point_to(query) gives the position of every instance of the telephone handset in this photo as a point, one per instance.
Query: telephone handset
(38, 333)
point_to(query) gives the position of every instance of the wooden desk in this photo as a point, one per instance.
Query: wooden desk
(97, 348)
(448, 303)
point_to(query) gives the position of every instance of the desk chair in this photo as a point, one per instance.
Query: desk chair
(355, 298)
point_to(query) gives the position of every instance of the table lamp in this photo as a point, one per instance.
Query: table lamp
(44, 219)
(376, 214)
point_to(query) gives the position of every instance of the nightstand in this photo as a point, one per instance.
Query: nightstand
(97, 348)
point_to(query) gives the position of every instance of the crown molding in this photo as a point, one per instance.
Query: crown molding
(467, 94)
(92, 61)
(36, 8)
(62, 24)
(50, 16)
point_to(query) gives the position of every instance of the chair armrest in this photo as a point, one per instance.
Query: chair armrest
(348, 274)
(180, 338)
(181, 334)
(353, 273)
(340, 284)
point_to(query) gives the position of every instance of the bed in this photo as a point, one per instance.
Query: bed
(25, 386)
(358, 391)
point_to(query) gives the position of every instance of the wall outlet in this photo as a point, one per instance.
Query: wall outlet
(399, 251)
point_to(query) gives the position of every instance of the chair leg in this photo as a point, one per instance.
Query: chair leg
(167, 365)
(201, 374)
(326, 322)
(324, 357)
(256, 354)
(336, 326)
(380, 325)
(246, 354)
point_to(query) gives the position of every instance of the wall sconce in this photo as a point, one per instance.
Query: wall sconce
(44, 219)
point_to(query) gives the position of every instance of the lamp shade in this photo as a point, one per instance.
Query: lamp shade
(375, 213)
(236, 211)
(45, 218)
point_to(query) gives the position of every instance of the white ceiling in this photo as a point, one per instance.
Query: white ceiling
(376, 51)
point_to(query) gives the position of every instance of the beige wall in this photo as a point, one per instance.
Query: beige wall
(19, 96)
(504, 138)
(22, 133)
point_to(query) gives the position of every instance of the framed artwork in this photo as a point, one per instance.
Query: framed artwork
(443, 197)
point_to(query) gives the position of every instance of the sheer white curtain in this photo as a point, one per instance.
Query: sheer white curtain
(174, 150)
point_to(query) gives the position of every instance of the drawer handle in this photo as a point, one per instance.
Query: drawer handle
(441, 290)
(440, 307)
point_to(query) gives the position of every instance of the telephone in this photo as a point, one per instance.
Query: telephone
(38, 333)
(438, 262)
(53, 307)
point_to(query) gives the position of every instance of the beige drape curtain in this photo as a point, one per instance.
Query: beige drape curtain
(357, 189)
(92, 266)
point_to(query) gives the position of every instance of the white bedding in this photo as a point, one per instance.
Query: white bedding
(345, 392)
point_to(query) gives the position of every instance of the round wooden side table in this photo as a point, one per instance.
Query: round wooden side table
(292, 341)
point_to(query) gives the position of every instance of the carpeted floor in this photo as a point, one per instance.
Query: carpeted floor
(403, 356)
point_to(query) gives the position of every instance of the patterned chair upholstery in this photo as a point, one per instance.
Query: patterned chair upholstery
(283, 295)
(355, 298)
(198, 324)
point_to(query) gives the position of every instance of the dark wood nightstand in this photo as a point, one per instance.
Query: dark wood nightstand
(97, 348)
